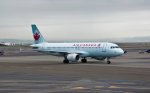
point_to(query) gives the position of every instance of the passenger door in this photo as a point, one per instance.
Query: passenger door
(104, 47)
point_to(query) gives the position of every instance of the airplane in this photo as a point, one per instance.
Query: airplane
(72, 52)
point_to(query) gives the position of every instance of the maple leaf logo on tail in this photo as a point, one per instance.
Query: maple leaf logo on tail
(36, 36)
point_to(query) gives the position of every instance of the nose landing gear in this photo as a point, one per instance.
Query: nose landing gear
(108, 61)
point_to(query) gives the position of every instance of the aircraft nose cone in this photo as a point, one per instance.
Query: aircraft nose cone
(120, 52)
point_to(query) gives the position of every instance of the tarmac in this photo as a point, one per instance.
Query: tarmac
(129, 73)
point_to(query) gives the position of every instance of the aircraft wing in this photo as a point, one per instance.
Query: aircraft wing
(81, 53)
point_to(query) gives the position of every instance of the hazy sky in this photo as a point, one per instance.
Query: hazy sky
(75, 19)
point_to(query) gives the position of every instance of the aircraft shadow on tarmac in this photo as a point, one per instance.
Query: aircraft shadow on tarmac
(58, 63)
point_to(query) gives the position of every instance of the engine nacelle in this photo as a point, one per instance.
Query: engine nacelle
(73, 57)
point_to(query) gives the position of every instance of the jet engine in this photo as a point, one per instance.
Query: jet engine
(73, 57)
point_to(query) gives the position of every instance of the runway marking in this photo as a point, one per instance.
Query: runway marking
(45, 86)
(99, 86)
(79, 88)
(113, 87)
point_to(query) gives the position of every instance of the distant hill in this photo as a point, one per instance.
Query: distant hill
(137, 39)
(130, 39)
(17, 41)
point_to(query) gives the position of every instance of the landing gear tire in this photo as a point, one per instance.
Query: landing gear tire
(108, 62)
(65, 61)
(84, 60)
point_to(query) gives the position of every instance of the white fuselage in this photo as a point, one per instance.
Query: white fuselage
(89, 49)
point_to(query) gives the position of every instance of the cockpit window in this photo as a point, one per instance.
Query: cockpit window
(114, 47)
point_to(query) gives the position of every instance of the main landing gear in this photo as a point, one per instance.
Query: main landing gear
(84, 60)
(108, 61)
(65, 61)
